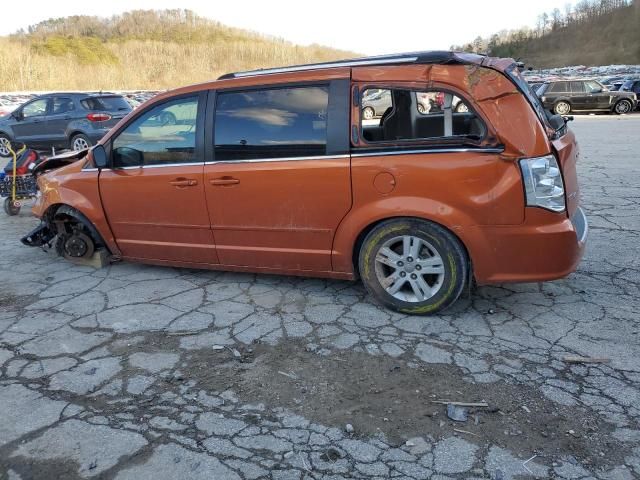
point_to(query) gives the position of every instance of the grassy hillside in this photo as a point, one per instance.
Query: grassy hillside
(139, 50)
(593, 32)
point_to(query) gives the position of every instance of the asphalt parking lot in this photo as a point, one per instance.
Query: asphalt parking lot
(138, 372)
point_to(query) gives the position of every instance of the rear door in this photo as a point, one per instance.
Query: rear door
(62, 110)
(580, 98)
(153, 195)
(278, 177)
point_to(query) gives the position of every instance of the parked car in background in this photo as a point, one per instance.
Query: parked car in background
(566, 96)
(632, 85)
(277, 171)
(62, 120)
(7, 106)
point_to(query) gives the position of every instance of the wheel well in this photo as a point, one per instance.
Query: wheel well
(61, 211)
(73, 134)
(363, 234)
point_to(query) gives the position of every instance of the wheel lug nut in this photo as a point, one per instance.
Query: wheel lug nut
(403, 274)
(409, 259)
(413, 276)
(401, 264)
(418, 267)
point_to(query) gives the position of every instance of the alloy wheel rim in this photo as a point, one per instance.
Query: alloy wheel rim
(368, 113)
(80, 144)
(622, 107)
(4, 146)
(562, 108)
(409, 268)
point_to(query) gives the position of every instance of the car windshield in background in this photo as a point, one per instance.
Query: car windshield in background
(111, 103)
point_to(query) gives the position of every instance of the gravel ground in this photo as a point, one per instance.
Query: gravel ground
(137, 372)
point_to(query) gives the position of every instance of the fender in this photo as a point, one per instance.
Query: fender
(361, 217)
(70, 185)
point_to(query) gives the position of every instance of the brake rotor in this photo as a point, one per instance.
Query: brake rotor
(78, 245)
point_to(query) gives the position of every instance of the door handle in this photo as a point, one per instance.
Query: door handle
(224, 181)
(183, 182)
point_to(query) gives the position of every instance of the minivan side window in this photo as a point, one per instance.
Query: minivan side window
(163, 135)
(397, 114)
(271, 123)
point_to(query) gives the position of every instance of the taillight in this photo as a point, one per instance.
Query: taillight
(98, 117)
(543, 183)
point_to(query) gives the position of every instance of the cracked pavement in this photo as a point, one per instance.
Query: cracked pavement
(140, 372)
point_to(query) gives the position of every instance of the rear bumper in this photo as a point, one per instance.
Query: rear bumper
(547, 246)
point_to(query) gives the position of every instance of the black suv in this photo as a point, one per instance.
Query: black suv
(62, 120)
(565, 96)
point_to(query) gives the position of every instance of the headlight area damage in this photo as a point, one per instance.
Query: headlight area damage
(66, 229)
(76, 239)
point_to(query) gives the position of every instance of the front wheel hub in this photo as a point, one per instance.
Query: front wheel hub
(78, 245)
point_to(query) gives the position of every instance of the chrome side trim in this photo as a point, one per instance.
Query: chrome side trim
(90, 169)
(186, 164)
(303, 68)
(429, 150)
(283, 159)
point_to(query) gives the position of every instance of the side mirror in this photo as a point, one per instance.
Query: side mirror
(99, 157)
(596, 90)
(17, 115)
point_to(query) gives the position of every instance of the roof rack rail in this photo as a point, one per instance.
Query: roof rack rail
(428, 57)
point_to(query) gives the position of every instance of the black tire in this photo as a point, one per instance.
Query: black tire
(622, 106)
(80, 141)
(422, 108)
(455, 264)
(562, 108)
(167, 118)
(10, 208)
(4, 142)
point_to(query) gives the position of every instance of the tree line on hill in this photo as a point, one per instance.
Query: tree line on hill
(591, 32)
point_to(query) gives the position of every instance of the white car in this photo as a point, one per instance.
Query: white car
(7, 106)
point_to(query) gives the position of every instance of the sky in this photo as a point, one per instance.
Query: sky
(371, 27)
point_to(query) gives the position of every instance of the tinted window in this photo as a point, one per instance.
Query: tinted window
(401, 114)
(273, 123)
(111, 104)
(163, 135)
(577, 87)
(61, 105)
(36, 108)
(559, 87)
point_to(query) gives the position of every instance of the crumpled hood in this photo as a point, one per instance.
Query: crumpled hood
(58, 161)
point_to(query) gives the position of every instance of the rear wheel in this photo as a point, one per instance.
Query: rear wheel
(422, 108)
(462, 108)
(622, 107)
(80, 142)
(167, 118)
(11, 208)
(562, 108)
(5, 146)
(413, 266)
(368, 113)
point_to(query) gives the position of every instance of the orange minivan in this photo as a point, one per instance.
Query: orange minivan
(460, 176)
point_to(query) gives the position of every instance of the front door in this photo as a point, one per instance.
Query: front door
(280, 182)
(153, 195)
(30, 128)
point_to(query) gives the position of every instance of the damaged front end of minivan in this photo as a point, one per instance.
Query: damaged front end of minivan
(63, 227)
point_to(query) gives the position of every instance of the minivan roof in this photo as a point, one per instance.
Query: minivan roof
(426, 57)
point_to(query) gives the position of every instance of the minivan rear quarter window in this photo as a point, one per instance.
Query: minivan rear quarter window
(271, 123)
(112, 103)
